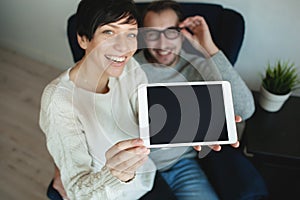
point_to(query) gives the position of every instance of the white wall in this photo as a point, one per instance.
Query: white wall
(37, 28)
(272, 33)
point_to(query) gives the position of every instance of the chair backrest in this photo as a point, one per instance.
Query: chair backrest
(226, 25)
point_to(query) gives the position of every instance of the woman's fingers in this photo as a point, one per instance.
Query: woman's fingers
(126, 171)
(125, 157)
(120, 146)
(128, 156)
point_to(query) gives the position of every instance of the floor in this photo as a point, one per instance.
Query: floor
(25, 166)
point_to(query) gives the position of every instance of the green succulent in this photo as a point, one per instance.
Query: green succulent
(281, 78)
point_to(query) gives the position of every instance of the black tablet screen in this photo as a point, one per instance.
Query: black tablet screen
(189, 113)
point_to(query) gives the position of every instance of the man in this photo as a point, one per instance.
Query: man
(163, 60)
(164, 15)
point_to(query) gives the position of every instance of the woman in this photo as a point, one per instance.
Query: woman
(89, 112)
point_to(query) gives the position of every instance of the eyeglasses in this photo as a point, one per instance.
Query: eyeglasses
(153, 34)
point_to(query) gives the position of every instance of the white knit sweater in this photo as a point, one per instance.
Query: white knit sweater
(80, 126)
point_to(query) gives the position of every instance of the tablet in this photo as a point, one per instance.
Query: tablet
(186, 114)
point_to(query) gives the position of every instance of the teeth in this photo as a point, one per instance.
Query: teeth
(163, 52)
(116, 59)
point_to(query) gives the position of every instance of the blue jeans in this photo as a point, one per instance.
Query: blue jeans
(188, 181)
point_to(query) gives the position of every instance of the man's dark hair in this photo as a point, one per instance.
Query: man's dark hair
(94, 13)
(162, 5)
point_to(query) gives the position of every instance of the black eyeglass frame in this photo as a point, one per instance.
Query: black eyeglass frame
(159, 32)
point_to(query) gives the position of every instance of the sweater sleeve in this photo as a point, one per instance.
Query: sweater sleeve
(242, 97)
(67, 145)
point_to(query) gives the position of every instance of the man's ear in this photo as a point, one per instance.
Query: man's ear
(82, 41)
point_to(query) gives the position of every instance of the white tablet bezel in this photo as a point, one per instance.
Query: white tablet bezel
(228, 106)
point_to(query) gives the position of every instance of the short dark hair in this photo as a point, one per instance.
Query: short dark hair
(94, 13)
(162, 5)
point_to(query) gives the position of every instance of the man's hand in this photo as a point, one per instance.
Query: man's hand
(218, 147)
(57, 184)
(125, 157)
(201, 34)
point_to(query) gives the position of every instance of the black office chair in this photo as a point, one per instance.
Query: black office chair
(160, 191)
(230, 172)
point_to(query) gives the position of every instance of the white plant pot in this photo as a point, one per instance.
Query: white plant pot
(271, 102)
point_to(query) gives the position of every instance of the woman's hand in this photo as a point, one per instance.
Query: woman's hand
(125, 157)
(218, 147)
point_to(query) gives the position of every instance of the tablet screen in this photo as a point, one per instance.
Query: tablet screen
(186, 113)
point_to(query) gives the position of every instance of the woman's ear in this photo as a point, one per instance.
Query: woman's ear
(82, 41)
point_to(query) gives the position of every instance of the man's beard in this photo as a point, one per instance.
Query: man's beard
(151, 59)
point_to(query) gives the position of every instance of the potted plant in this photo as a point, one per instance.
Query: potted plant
(277, 85)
